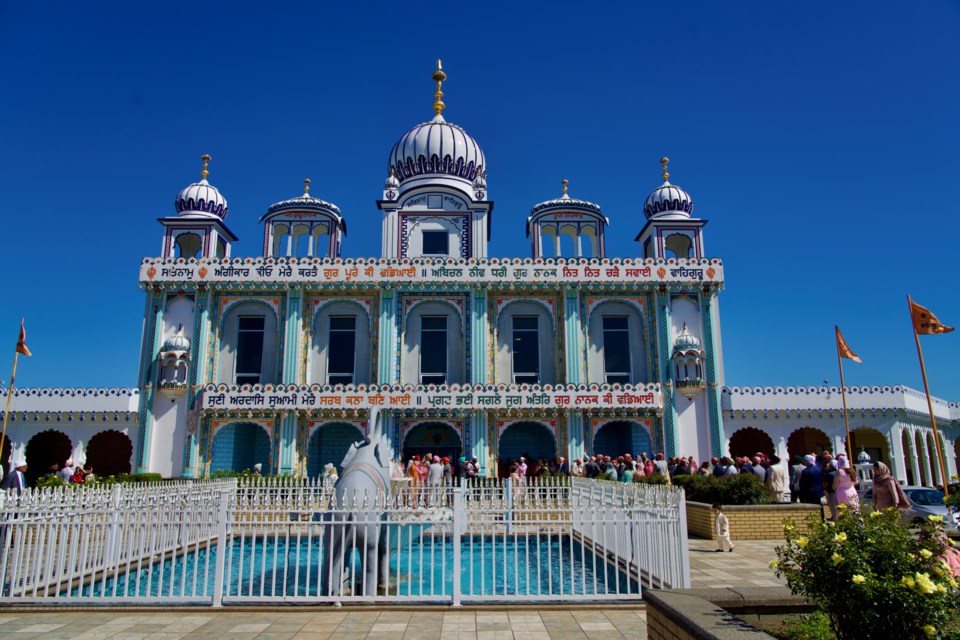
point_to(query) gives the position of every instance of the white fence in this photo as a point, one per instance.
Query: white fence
(284, 541)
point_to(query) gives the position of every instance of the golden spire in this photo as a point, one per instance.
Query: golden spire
(206, 160)
(439, 76)
(306, 186)
(664, 160)
(565, 182)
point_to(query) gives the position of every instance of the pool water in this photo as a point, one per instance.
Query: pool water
(276, 567)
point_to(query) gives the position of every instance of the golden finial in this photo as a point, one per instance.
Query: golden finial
(664, 160)
(206, 160)
(565, 182)
(306, 186)
(439, 76)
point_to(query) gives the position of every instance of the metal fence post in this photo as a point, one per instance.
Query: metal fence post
(459, 525)
(221, 565)
(684, 543)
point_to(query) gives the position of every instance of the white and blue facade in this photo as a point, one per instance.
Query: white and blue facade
(275, 358)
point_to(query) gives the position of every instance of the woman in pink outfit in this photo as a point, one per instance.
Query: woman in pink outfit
(845, 485)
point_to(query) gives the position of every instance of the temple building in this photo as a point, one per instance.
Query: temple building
(275, 358)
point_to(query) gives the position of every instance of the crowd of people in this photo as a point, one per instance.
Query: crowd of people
(71, 473)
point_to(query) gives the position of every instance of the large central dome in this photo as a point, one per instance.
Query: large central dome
(437, 149)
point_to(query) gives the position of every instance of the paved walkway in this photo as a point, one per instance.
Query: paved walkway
(746, 566)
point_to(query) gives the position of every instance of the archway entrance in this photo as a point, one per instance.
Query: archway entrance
(109, 453)
(237, 447)
(807, 440)
(872, 441)
(750, 440)
(330, 443)
(906, 441)
(44, 449)
(617, 438)
(438, 438)
(532, 440)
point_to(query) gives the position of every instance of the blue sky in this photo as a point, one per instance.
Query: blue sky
(820, 139)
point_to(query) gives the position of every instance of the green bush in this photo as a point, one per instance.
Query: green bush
(133, 478)
(872, 577)
(730, 490)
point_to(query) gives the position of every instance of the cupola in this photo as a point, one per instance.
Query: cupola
(198, 230)
(687, 359)
(303, 227)
(670, 231)
(566, 227)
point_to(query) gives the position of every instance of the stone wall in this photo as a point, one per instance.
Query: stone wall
(749, 522)
(699, 614)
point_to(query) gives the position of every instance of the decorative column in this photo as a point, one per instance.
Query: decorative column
(573, 331)
(387, 347)
(575, 444)
(478, 339)
(480, 425)
(665, 334)
(150, 345)
(714, 414)
(198, 377)
(898, 465)
(286, 440)
(914, 463)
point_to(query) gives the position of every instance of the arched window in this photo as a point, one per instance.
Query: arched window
(679, 245)
(187, 245)
(617, 352)
(548, 242)
(281, 240)
(340, 353)
(525, 345)
(248, 346)
(433, 345)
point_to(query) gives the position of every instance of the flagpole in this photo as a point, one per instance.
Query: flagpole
(843, 395)
(926, 388)
(6, 413)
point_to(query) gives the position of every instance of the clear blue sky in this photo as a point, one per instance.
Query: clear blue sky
(819, 138)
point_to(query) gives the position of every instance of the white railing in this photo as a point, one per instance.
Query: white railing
(274, 541)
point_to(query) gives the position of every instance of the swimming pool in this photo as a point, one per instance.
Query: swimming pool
(492, 567)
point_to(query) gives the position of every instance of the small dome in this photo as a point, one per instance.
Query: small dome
(202, 197)
(863, 457)
(307, 202)
(686, 342)
(177, 343)
(565, 202)
(391, 182)
(667, 200)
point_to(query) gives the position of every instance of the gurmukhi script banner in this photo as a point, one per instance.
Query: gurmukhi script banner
(426, 271)
(224, 398)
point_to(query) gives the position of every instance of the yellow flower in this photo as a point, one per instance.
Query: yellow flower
(842, 507)
(837, 559)
(952, 583)
(930, 630)
(924, 583)
(908, 582)
(925, 553)
(935, 519)
(829, 523)
(840, 537)
(787, 528)
(802, 541)
(941, 588)
(773, 564)
(859, 579)
(875, 514)
(869, 540)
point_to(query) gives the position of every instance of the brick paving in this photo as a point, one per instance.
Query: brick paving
(746, 566)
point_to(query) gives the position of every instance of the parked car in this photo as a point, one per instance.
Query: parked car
(924, 502)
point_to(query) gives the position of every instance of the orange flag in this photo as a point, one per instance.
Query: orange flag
(22, 342)
(844, 350)
(924, 322)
